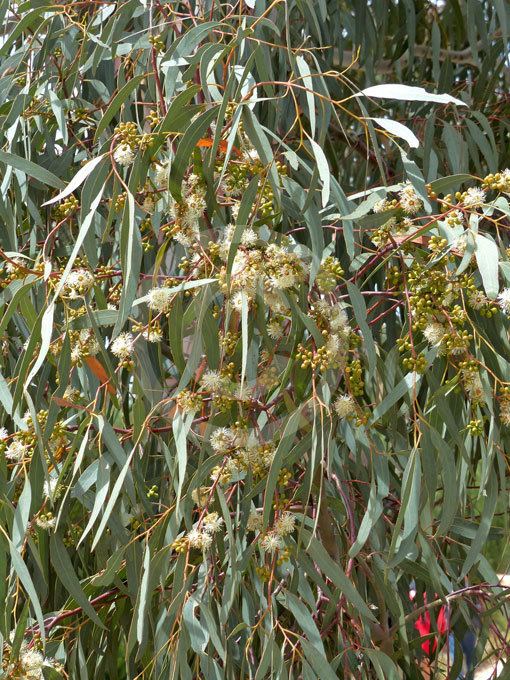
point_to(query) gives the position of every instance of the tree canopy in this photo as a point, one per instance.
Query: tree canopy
(254, 338)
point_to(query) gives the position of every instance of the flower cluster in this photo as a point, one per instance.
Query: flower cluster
(237, 177)
(504, 301)
(78, 283)
(83, 344)
(201, 537)
(333, 322)
(410, 202)
(269, 268)
(19, 447)
(29, 664)
(161, 174)
(127, 135)
(345, 406)
(124, 154)
(123, 346)
(160, 299)
(186, 214)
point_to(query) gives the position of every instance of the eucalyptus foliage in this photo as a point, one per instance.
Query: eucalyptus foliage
(254, 367)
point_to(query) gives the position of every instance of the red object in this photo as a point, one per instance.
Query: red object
(423, 626)
(206, 143)
(99, 371)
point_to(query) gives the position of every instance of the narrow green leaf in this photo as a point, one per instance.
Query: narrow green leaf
(24, 576)
(31, 169)
(65, 571)
(334, 572)
(187, 144)
(119, 99)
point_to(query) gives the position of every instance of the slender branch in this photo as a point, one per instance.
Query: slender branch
(99, 601)
(464, 56)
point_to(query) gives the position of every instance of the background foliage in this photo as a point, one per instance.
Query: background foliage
(253, 384)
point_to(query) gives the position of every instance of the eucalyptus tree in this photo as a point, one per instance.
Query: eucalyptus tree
(254, 291)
